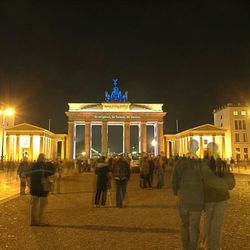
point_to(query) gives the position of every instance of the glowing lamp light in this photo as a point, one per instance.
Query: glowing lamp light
(83, 153)
(154, 143)
(9, 111)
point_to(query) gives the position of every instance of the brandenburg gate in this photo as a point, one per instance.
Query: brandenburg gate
(116, 110)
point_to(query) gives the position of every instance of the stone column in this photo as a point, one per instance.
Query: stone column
(7, 148)
(201, 147)
(160, 137)
(213, 146)
(41, 144)
(104, 138)
(143, 137)
(190, 144)
(69, 153)
(87, 139)
(17, 147)
(31, 148)
(126, 137)
(223, 155)
(65, 147)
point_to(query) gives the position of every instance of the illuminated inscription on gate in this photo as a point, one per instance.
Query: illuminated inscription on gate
(117, 117)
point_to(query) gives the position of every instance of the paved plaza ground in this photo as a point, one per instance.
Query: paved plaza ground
(149, 220)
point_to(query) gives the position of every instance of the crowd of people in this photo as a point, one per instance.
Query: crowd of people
(198, 184)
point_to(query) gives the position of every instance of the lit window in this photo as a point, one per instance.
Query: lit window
(240, 124)
(235, 112)
(244, 137)
(237, 154)
(237, 137)
(236, 124)
(246, 153)
(244, 124)
(243, 112)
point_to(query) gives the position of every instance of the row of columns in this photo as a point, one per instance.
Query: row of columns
(183, 145)
(17, 155)
(142, 138)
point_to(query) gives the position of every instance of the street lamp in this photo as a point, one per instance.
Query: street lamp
(4, 112)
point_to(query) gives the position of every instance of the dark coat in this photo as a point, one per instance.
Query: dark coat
(102, 171)
(121, 170)
(37, 172)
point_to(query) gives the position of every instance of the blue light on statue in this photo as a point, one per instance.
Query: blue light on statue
(116, 95)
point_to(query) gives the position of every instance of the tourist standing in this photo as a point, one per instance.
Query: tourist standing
(39, 189)
(21, 171)
(188, 186)
(145, 172)
(219, 166)
(151, 168)
(159, 172)
(121, 175)
(101, 171)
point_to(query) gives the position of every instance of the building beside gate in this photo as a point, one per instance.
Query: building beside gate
(204, 139)
(115, 111)
(29, 140)
(236, 120)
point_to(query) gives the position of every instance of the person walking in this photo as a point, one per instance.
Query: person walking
(145, 172)
(102, 170)
(216, 195)
(219, 167)
(121, 176)
(159, 172)
(39, 190)
(187, 185)
(21, 171)
(151, 168)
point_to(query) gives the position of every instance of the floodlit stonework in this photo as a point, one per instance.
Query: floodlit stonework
(122, 114)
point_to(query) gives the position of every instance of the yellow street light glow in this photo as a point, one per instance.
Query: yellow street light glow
(9, 111)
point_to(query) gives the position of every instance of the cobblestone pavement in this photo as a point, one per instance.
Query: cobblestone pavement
(149, 220)
(9, 185)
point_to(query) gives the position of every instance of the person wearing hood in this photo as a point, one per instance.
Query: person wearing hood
(102, 170)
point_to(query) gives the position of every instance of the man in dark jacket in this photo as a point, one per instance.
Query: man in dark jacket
(102, 170)
(39, 173)
(121, 175)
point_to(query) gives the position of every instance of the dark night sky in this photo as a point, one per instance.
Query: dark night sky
(193, 57)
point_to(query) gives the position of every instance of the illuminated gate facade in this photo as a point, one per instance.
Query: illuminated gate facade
(116, 111)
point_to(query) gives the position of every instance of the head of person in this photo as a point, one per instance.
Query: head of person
(41, 157)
